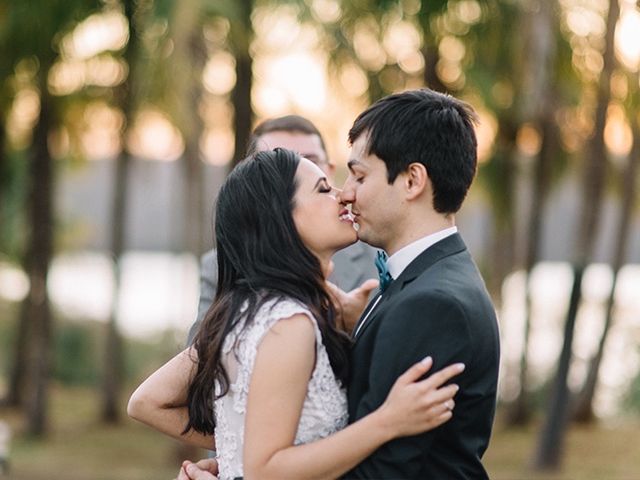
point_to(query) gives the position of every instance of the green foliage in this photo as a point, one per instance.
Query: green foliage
(8, 312)
(78, 349)
(143, 357)
(14, 187)
(32, 27)
(492, 176)
(76, 362)
(632, 399)
(79, 353)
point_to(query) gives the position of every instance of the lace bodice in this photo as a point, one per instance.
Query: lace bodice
(325, 407)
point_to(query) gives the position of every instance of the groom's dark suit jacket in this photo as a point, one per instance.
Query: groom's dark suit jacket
(438, 306)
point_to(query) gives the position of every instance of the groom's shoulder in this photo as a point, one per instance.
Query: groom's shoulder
(454, 279)
(450, 271)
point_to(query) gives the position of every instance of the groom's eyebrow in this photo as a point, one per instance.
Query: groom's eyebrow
(352, 163)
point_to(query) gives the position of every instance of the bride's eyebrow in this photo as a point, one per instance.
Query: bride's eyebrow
(320, 180)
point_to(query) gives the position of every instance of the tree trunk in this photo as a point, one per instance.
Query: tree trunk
(194, 201)
(520, 412)
(242, 35)
(16, 395)
(503, 252)
(550, 447)
(584, 406)
(503, 245)
(429, 49)
(39, 253)
(431, 58)
(189, 60)
(113, 359)
(551, 439)
(541, 29)
(3, 168)
(190, 56)
(502, 259)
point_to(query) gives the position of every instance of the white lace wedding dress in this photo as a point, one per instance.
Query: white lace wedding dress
(325, 406)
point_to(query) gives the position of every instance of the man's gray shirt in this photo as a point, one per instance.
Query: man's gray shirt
(351, 267)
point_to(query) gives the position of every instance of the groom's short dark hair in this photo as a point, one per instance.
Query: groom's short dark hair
(427, 127)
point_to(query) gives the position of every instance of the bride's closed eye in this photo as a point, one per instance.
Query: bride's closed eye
(325, 188)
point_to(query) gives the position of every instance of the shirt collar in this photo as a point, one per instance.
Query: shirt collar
(407, 254)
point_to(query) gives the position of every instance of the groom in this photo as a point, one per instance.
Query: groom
(412, 161)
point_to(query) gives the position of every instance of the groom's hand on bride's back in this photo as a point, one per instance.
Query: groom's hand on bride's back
(351, 305)
(205, 469)
(414, 406)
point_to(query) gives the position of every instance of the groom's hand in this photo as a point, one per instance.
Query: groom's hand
(352, 304)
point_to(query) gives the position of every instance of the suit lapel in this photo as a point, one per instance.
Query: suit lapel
(448, 246)
(373, 303)
(367, 318)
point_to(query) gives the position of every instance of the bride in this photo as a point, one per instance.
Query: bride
(263, 384)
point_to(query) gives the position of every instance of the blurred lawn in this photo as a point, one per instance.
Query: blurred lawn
(600, 452)
(80, 449)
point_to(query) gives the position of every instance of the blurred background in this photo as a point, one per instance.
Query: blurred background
(119, 119)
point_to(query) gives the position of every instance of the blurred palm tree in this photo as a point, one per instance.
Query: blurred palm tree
(33, 30)
(238, 40)
(241, 36)
(426, 17)
(190, 55)
(549, 451)
(5, 104)
(515, 88)
(628, 178)
(385, 73)
(38, 256)
(126, 99)
(178, 89)
(555, 87)
(11, 167)
(495, 72)
(547, 84)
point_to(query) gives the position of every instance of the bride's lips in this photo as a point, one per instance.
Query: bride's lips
(345, 215)
(351, 217)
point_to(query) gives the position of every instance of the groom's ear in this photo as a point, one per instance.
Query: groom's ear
(416, 180)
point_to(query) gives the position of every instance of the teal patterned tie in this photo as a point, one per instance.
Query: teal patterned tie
(383, 271)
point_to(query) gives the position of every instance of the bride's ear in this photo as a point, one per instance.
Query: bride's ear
(416, 180)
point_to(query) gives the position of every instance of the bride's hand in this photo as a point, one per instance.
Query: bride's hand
(413, 406)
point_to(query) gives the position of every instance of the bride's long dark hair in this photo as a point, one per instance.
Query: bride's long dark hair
(260, 257)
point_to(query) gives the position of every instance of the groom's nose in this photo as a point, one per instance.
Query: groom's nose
(347, 194)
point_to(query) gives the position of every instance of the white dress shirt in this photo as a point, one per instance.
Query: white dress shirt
(397, 262)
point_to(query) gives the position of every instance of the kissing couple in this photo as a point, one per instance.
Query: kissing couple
(287, 377)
